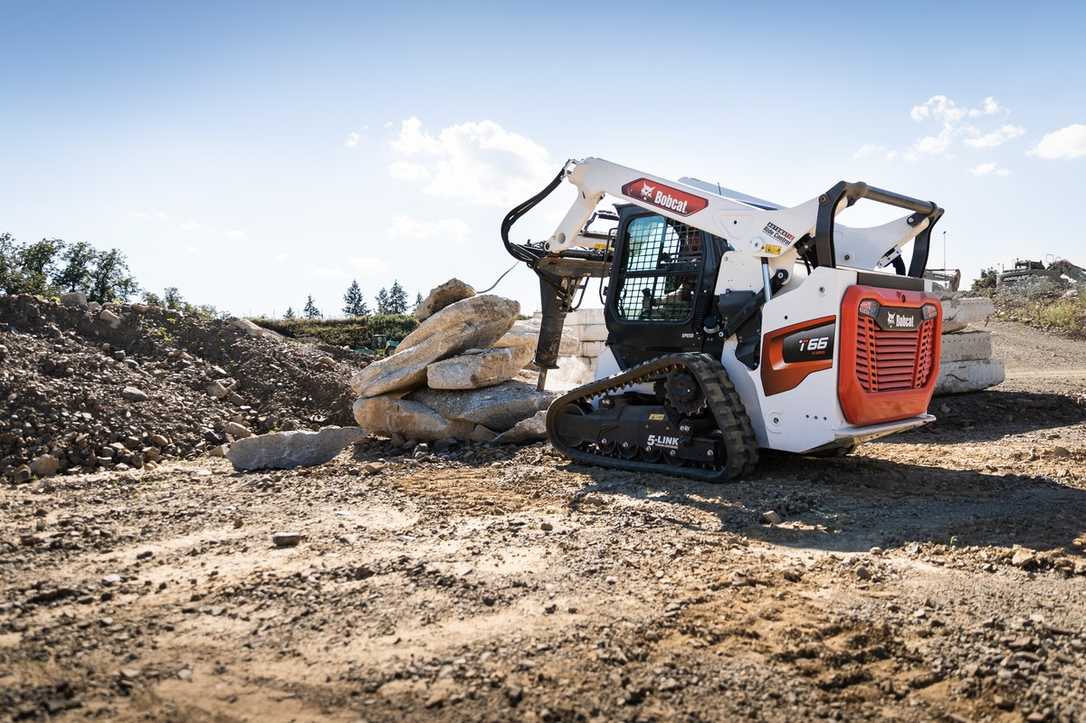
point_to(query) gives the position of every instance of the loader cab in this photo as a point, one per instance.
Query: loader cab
(661, 287)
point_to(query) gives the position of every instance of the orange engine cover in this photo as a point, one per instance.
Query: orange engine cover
(888, 353)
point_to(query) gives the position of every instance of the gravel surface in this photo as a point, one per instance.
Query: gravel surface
(937, 575)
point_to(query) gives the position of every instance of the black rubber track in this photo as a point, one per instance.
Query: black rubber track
(741, 449)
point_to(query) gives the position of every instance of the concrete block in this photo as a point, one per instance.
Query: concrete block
(592, 349)
(587, 317)
(960, 312)
(593, 332)
(968, 376)
(965, 345)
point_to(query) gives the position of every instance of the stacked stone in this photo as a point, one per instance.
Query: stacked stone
(452, 378)
(966, 363)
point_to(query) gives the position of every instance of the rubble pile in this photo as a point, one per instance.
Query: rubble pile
(86, 387)
(454, 377)
(965, 362)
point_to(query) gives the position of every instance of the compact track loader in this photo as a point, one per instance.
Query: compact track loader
(734, 324)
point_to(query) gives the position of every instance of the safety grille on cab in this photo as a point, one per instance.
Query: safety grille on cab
(892, 360)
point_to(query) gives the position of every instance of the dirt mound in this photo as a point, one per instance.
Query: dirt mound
(88, 387)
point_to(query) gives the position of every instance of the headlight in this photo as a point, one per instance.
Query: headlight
(930, 311)
(869, 307)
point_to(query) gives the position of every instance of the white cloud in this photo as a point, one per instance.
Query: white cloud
(940, 108)
(996, 138)
(990, 107)
(990, 168)
(944, 109)
(937, 144)
(476, 161)
(190, 226)
(950, 116)
(280, 258)
(1069, 142)
(445, 229)
(236, 234)
(353, 139)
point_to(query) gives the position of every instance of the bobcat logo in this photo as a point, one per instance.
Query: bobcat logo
(647, 191)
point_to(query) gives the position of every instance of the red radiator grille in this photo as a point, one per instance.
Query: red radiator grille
(893, 360)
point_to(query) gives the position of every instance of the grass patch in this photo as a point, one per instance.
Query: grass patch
(356, 333)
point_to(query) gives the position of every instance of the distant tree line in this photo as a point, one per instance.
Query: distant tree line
(390, 301)
(51, 267)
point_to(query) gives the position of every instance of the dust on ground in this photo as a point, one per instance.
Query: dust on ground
(934, 575)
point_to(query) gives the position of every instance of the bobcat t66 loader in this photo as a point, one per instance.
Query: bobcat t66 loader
(733, 323)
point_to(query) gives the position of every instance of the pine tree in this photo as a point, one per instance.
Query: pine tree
(289, 316)
(418, 301)
(397, 299)
(354, 304)
(311, 311)
(382, 302)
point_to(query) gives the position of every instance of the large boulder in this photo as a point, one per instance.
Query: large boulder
(388, 415)
(466, 324)
(968, 376)
(526, 431)
(441, 296)
(285, 450)
(498, 407)
(76, 299)
(478, 368)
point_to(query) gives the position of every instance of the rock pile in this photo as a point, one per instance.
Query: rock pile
(86, 387)
(966, 363)
(452, 378)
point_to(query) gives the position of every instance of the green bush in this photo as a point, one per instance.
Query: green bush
(354, 332)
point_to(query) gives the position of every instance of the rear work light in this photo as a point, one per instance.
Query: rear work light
(930, 312)
(870, 307)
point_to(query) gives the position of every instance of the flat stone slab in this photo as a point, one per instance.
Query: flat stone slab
(497, 408)
(968, 376)
(966, 345)
(478, 368)
(286, 450)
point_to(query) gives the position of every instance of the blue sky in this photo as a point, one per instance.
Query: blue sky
(252, 154)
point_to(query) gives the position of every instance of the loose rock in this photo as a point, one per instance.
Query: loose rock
(284, 450)
(441, 296)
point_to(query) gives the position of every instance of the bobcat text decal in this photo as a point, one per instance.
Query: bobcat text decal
(666, 197)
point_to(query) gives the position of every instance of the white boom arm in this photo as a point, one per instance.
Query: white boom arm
(755, 232)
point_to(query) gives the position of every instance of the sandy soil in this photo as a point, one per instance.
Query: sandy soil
(935, 575)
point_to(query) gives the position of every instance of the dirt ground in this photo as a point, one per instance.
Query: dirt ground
(939, 574)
